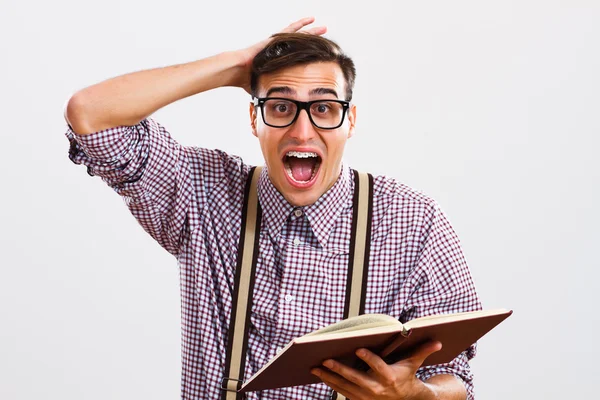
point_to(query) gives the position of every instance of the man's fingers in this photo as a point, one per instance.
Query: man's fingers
(375, 362)
(296, 26)
(350, 374)
(425, 350)
(336, 382)
(319, 30)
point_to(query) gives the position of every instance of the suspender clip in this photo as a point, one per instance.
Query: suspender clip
(230, 384)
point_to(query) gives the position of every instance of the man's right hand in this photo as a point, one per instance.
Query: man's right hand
(246, 56)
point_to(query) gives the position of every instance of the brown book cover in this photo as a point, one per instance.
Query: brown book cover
(386, 336)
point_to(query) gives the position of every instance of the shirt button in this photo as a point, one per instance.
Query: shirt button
(278, 350)
(298, 212)
(288, 298)
(297, 242)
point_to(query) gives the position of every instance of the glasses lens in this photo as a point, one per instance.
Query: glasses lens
(327, 114)
(279, 112)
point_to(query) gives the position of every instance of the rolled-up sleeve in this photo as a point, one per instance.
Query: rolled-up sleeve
(443, 285)
(148, 168)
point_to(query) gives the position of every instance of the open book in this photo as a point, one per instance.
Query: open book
(382, 334)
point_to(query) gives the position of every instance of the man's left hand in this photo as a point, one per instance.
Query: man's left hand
(394, 381)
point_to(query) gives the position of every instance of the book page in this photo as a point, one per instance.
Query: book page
(359, 322)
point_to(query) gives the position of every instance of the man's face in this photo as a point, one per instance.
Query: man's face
(290, 152)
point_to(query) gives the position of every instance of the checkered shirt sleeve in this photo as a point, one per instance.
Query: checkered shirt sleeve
(148, 169)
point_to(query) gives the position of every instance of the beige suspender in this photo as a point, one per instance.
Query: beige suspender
(356, 286)
(242, 294)
(248, 252)
(359, 244)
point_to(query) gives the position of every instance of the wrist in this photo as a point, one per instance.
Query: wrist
(237, 73)
(426, 391)
(236, 58)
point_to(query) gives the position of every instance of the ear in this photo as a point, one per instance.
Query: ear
(253, 119)
(351, 120)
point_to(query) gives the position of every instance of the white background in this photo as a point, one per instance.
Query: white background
(491, 108)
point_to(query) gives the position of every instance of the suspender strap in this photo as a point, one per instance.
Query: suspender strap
(242, 295)
(360, 241)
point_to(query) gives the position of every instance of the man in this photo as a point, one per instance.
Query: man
(190, 201)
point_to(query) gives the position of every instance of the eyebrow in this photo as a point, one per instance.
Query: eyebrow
(289, 91)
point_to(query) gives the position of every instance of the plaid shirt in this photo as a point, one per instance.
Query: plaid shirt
(190, 200)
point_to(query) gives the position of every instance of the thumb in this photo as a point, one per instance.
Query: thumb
(422, 352)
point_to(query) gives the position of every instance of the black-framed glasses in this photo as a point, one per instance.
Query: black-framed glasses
(280, 112)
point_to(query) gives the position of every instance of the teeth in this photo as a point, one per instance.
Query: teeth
(301, 154)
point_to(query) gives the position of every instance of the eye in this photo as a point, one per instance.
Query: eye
(281, 108)
(321, 108)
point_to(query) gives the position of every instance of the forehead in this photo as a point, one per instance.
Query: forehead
(302, 80)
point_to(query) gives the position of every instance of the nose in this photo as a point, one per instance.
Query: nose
(303, 130)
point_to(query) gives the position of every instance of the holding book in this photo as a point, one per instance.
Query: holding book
(373, 338)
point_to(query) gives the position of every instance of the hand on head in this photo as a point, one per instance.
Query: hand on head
(248, 54)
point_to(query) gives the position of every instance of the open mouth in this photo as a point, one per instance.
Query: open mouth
(301, 166)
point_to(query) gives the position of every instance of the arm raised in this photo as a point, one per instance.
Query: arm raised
(127, 99)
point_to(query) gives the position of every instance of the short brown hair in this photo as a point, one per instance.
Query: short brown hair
(290, 49)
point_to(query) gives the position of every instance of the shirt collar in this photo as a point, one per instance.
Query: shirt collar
(321, 215)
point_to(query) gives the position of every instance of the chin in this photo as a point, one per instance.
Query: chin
(302, 200)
